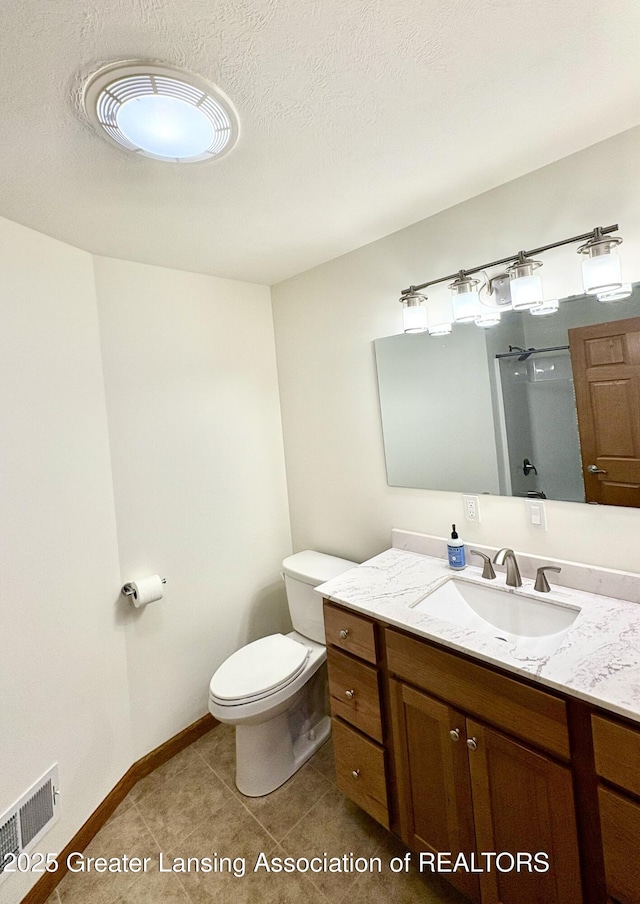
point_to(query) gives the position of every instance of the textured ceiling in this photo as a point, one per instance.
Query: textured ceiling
(358, 117)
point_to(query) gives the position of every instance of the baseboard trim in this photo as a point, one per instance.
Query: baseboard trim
(146, 764)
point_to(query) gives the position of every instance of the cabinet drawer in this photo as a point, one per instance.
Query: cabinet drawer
(518, 709)
(349, 631)
(617, 753)
(620, 823)
(355, 697)
(360, 771)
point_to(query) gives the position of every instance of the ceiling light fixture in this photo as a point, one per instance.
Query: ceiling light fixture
(160, 112)
(520, 287)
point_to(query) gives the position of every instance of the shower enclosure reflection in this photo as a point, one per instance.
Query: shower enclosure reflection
(494, 411)
(541, 429)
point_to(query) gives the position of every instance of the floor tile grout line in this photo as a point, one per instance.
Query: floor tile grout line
(147, 827)
(238, 795)
(290, 829)
(319, 890)
(168, 778)
(234, 797)
(306, 813)
(134, 802)
(200, 755)
(185, 890)
(209, 766)
(348, 889)
(255, 819)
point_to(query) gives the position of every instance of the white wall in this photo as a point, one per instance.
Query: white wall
(191, 450)
(63, 679)
(199, 480)
(326, 321)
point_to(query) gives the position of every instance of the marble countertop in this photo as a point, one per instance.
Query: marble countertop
(597, 660)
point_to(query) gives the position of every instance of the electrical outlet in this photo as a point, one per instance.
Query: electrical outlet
(471, 508)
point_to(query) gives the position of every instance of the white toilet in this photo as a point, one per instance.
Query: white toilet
(274, 690)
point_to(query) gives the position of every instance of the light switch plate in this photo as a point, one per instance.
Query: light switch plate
(536, 513)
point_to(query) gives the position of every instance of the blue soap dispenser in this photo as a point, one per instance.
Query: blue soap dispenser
(455, 551)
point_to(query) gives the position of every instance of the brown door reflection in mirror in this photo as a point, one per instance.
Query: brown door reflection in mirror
(606, 371)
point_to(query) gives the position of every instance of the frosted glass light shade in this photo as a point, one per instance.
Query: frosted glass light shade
(526, 292)
(547, 307)
(414, 313)
(440, 329)
(488, 318)
(165, 126)
(620, 294)
(466, 306)
(602, 273)
(465, 301)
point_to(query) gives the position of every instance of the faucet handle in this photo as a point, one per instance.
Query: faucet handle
(487, 568)
(542, 584)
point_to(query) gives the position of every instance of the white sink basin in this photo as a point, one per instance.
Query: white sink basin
(532, 624)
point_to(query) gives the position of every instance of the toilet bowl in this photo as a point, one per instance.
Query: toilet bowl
(274, 690)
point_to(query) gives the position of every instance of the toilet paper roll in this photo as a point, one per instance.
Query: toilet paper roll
(147, 590)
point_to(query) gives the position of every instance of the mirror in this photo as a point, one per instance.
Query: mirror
(494, 410)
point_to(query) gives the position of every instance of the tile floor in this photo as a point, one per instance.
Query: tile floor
(190, 807)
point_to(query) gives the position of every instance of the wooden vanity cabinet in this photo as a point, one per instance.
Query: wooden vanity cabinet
(466, 788)
(462, 759)
(617, 758)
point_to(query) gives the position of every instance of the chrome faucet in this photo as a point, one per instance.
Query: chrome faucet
(513, 572)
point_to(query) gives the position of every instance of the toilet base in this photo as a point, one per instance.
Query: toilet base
(266, 756)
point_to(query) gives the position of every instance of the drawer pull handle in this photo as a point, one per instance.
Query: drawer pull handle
(472, 744)
(356, 774)
(454, 734)
(350, 694)
(344, 634)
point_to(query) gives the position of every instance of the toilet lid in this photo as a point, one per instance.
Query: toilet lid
(259, 668)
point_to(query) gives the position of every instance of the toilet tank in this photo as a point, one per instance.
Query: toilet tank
(302, 572)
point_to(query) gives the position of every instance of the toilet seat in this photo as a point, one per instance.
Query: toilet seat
(258, 670)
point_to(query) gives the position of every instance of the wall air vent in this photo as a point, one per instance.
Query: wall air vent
(24, 824)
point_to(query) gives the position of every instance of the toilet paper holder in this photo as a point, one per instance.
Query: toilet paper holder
(128, 590)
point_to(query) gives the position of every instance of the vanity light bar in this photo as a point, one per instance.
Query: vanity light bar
(594, 235)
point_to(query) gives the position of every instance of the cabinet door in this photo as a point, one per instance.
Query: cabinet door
(523, 803)
(433, 779)
(620, 820)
